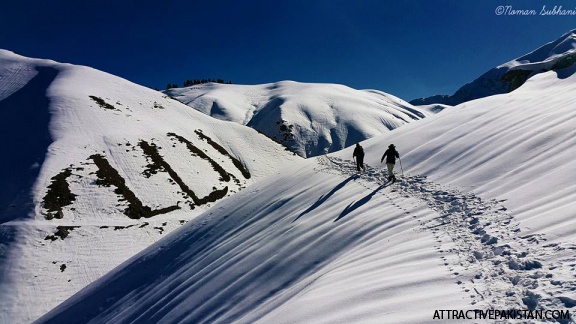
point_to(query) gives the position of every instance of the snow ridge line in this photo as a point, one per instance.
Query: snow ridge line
(481, 243)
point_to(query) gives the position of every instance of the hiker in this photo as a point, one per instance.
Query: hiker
(391, 154)
(359, 154)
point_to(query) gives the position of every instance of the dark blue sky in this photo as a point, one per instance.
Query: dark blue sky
(407, 48)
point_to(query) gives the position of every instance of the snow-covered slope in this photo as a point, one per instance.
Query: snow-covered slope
(309, 118)
(556, 55)
(96, 168)
(482, 218)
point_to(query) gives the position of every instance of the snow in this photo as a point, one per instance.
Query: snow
(515, 146)
(255, 258)
(309, 118)
(481, 218)
(16, 72)
(54, 123)
(546, 55)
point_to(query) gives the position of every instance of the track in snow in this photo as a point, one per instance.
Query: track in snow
(480, 242)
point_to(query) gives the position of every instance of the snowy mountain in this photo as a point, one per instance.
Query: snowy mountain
(310, 119)
(556, 56)
(481, 219)
(96, 168)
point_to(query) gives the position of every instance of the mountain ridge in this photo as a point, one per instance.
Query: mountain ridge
(310, 119)
(556, 55)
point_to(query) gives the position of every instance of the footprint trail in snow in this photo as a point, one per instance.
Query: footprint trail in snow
(483, 246)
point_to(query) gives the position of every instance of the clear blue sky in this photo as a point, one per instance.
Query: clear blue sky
(407, 48)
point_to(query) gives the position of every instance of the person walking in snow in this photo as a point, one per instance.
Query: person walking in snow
(391, 154)
(359, 154)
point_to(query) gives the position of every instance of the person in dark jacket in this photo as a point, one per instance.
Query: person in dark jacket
(359, 154)
(391, 154)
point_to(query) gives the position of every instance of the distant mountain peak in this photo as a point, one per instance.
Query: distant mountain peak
(507, 77)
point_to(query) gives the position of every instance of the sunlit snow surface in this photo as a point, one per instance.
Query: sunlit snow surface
(310, 118)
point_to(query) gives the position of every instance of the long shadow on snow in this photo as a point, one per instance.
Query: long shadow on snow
(325, 197)
(355, 205)
(7, 237)
(165, 268)
(145, 271)
(25, 117)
